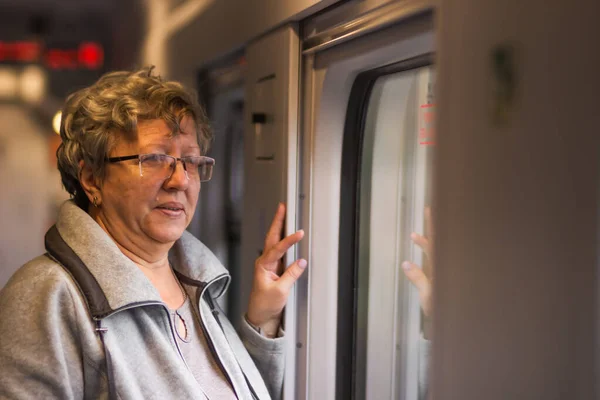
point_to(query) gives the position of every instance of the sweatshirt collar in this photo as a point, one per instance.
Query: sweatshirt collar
(109, 280)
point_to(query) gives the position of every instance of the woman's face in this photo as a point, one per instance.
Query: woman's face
(143, 210)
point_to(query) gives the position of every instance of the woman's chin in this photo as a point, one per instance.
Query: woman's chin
(166, 233)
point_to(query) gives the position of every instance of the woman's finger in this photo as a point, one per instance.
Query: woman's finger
(417, 277)
(274, 253)
(274, 233)
(422, 242)
(291, 275)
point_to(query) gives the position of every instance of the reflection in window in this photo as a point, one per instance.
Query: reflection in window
(392, 346)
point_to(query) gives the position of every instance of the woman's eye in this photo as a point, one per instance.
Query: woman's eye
(155, 159)
(193, 161)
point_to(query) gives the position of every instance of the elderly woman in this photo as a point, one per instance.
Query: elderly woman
(122, 305)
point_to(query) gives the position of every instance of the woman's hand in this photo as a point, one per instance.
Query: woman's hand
(422, 278)
(270, 290)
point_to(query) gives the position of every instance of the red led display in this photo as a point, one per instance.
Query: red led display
(19, 51)
(88, 55)
(61, 59)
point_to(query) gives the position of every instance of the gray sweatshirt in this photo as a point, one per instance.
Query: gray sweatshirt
(58, 320)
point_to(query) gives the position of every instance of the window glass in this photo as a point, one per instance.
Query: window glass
(392, 332)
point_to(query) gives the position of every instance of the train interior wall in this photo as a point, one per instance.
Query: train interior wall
(31, 188)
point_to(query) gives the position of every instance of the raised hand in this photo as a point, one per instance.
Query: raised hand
(422, 278)
(270, 290)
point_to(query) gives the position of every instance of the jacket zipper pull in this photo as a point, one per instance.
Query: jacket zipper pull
(112, 390)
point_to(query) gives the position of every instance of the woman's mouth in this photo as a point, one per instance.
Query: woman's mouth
(171, 209)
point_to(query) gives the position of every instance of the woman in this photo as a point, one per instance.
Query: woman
(123, 304)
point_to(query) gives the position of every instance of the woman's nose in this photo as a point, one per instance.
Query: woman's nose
(179, 176)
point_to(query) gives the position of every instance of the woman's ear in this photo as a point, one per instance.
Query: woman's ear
(90, 184)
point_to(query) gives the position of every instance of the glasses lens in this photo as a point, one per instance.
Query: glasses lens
(205, 170)
(156, 165)
(200, 167)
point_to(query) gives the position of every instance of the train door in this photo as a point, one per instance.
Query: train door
(367, 155)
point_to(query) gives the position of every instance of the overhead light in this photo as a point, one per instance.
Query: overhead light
(32, 84)
(56, 122)
(8, 83)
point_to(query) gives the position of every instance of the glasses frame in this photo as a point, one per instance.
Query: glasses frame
(141, 157)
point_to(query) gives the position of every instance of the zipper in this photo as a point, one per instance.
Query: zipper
(215, 314)
(128, 307)
(161, 304)
(171, 326)
(209, 339)
(99, 318)
(211, 346)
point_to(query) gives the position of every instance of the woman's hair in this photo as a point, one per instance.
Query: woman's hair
(94, 118)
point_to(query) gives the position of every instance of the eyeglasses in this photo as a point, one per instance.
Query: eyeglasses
(162, 166)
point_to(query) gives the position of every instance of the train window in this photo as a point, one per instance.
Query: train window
(389, 136)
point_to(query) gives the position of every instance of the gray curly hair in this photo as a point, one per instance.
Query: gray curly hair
(94, 117)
